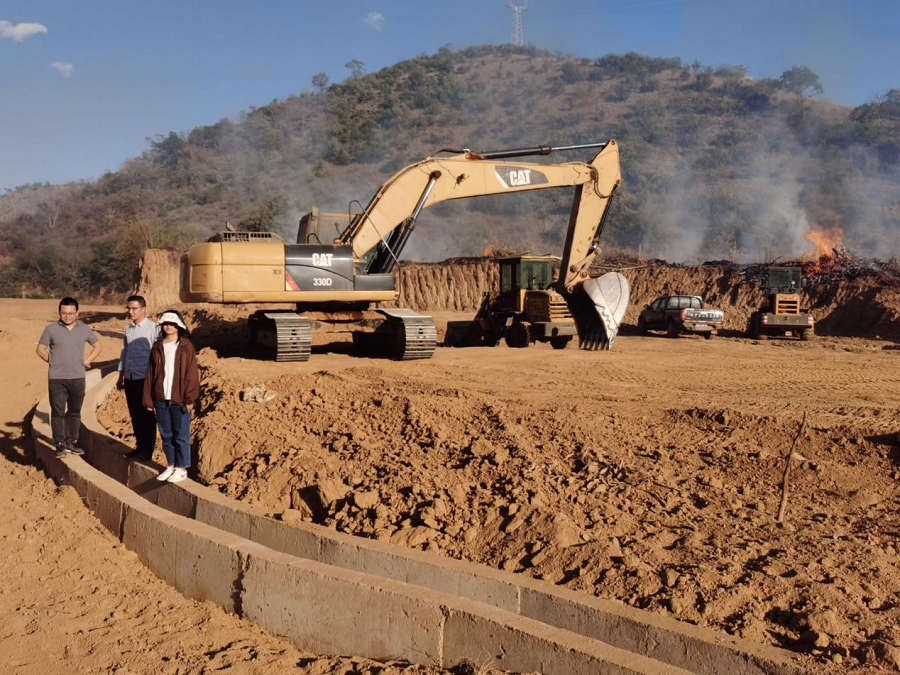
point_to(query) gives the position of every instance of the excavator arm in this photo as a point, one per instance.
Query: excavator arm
(389, 218)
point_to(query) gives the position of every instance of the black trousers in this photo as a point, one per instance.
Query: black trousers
(66, 397)
(143, 421)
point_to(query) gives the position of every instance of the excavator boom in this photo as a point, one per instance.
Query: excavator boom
(391, 214)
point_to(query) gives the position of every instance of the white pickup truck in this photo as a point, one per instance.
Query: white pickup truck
(678, 314)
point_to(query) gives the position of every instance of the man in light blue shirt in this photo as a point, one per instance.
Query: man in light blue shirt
(140, 335)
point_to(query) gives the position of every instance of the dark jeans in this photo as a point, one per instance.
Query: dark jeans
(143, 422)
(66, 397)
(174, 423)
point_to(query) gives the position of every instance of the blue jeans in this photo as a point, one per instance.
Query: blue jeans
(174, 422)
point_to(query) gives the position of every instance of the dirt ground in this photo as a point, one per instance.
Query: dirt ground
(73, 600)
(650, 474)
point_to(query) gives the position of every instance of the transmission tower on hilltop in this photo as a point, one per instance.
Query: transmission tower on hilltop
(517, 21)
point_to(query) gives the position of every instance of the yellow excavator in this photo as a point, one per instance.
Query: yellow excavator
(336, 273)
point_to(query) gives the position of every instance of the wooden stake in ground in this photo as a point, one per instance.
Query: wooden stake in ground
(787, 470)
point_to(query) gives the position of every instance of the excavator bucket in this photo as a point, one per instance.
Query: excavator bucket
(598, 308)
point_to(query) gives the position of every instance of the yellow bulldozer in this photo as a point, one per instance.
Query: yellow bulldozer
(341, 272)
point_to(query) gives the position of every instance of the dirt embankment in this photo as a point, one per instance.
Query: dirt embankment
(157, 278)
(864, 307)
(450, 286)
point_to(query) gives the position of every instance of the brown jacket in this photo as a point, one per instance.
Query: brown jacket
(185, 384)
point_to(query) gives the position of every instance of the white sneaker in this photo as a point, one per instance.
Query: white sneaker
(178, 475)
(166, 473)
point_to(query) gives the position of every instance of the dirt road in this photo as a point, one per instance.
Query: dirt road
(650, 474)
(73, 600)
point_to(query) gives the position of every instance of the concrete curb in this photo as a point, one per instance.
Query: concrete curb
(487, 616)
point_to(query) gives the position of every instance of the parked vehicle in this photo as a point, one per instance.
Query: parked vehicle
(678, 314)
(525, 310)
(782, 313)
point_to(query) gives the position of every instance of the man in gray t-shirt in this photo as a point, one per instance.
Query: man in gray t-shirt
(62, 346)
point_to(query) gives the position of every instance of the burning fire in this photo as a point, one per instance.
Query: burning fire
(827, 243)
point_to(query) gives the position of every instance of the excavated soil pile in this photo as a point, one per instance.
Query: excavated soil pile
(650, 474)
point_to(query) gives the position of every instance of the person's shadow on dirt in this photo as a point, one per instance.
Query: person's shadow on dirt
(15, 443)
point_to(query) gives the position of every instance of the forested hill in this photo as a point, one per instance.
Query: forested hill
(715, 165)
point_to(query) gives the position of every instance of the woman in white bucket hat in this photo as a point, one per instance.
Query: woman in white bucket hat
(171, 388)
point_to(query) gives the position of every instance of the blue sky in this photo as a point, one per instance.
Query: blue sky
(84, 84)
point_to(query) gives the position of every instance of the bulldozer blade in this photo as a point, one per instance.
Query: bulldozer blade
(599, 310)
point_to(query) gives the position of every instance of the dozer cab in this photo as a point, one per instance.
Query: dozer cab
(526, 309)
(782, 313)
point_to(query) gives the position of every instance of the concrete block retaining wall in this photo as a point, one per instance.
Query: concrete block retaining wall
(334, 593)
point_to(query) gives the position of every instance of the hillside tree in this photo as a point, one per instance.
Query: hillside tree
(355, 66)
(320, 81)
(802, 82)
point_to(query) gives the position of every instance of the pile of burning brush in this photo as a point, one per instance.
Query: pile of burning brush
(838, 265)
(830, 262)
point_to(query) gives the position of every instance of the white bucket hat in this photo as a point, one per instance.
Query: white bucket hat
(172, 317)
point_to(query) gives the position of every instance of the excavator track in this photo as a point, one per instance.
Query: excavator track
(286, 335)
(419, 335)
(404, 336)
